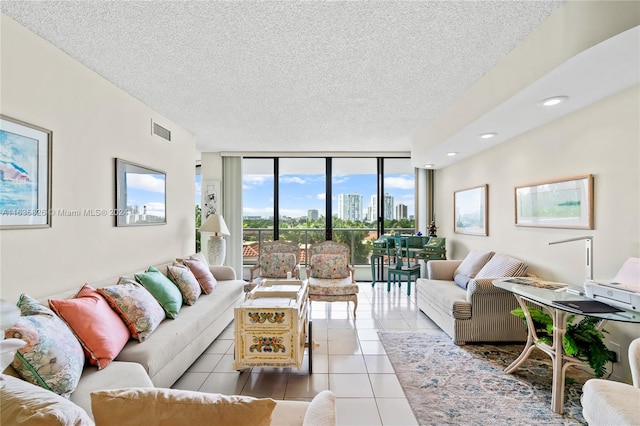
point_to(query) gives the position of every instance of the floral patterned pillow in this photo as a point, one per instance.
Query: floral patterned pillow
(187, 283)
(329, 266)
(53, 358)
(136, 306)
(276, 265)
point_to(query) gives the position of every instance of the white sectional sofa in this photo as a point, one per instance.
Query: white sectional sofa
(142, 373)
(458, 295)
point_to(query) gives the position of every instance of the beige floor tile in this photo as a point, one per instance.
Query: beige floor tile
(386, 386)
(225, 383)
(367, 334)
(378, 364)
(371, 347)
(357, 412)
(220, 346)
(351, 385)
(347, 364)
(396, 412)
(206, 363)
(306, 386)
(266, 385)
(344, 347)
(191, 381)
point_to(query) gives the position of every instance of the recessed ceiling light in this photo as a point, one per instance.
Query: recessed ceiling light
(428, 166)
(451, 154)
(488, 135)
(553, 101)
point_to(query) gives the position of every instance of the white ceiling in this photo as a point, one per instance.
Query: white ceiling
(324, 76)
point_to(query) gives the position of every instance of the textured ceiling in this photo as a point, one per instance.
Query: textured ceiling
(289, 76)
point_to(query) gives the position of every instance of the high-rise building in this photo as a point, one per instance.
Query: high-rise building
(350, 206)
(312, 214)
(372, 210)
(401, 211)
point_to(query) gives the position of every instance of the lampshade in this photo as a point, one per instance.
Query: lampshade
(215, 224)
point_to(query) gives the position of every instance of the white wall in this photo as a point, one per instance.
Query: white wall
(603, 140)
(92, 122)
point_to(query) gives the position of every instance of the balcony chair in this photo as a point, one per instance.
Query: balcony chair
(276, 259)
(331, 276)
(605, 402)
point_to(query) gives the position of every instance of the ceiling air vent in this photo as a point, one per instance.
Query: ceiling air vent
(158, 130)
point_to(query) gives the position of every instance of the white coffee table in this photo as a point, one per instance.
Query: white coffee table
(272, 326)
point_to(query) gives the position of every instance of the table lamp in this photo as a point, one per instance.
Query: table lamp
(216, 246)
(9, 315)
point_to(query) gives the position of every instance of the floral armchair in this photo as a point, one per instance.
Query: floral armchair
(331, 276)
(276, 259)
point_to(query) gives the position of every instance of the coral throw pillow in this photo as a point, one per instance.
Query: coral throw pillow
(98, 327)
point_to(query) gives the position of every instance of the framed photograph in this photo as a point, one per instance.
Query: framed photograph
(211, 198)
(140, 195)
(470, 211)
(25, 175)
(562, 203)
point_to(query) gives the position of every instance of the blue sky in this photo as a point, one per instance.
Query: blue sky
(300, 193)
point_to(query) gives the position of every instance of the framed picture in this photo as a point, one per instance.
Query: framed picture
(470, 211)
(25, 175)
(562, 203)
(211, 198)
(140, 195)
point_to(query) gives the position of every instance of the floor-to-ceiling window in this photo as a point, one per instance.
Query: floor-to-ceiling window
(306, 200)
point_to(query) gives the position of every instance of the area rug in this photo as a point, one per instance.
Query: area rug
(447, 384)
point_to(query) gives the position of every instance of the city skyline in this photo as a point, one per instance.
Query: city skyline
(300, 193)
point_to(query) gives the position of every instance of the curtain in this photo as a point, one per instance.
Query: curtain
(232, 210)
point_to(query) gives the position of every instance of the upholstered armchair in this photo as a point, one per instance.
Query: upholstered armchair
(277, 258)
(605, 402)
(331, 276)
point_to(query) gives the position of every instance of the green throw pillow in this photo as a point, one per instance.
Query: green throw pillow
(163, 289)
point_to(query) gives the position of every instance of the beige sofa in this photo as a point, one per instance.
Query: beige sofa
(480, 312)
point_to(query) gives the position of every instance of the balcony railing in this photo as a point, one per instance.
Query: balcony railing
(360, 241)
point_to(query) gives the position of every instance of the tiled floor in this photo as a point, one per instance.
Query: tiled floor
(350, 361)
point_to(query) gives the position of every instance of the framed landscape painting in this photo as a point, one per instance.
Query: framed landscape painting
(470, 211)
(562, 203)
(25, 175)
(140, 195)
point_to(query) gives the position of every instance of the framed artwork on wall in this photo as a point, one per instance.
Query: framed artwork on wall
(561, 203)
(25, 175)
(211, 198)
(140, 195)
(470, 211)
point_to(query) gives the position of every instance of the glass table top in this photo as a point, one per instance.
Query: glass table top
(546, 292)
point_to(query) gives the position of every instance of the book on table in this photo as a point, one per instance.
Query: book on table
(549, 285)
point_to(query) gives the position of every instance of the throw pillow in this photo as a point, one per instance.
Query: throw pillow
(139, 310)
(276, 265)
(98, 327)
(470, 266)
(329, 266)
(136, 406)
(24, 403)
(187, 283)
(202, 273)
(502, 265)
(53, 357)
(165, 291)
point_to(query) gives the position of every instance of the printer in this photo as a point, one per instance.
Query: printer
(623, 291)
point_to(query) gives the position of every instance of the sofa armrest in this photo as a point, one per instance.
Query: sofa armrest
(223, 273)
(442, 269)
(483, 287)
(321, 410)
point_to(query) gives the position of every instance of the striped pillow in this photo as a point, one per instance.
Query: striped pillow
(501, 265)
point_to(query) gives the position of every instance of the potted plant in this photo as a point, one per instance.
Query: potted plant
(582, 339)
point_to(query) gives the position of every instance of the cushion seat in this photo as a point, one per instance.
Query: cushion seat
(335, 286)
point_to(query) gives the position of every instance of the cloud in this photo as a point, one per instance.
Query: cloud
(400, 182)
(145, 182)
(340, 179)
(321, 196)
(292, 179)
(256, 179)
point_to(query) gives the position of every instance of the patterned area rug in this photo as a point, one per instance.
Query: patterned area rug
(466, 385)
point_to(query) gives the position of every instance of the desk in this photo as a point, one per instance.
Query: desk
(544, 298)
